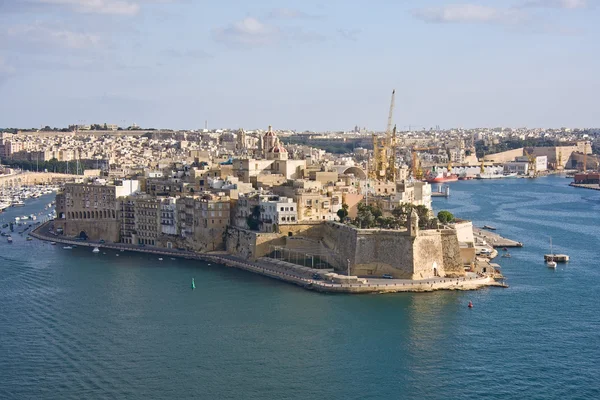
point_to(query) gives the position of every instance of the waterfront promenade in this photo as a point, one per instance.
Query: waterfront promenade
(289, 272)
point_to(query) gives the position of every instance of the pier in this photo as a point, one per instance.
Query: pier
(494, 239)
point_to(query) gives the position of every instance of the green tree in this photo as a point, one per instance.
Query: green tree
(342, 213)
(445, 217)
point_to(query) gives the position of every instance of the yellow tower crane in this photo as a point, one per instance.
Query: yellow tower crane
(532, 162)
(417, 172)
(391, 170)
(381, 148)
(584, 156)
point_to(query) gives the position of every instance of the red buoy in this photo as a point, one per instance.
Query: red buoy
(470, 304)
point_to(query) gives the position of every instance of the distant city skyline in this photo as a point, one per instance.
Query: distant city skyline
(302, 65)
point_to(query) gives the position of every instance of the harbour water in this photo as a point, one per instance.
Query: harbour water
(79, 325)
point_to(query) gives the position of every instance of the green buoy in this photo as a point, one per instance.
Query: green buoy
(193, 284)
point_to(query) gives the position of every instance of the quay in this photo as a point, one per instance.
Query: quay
(327, 281)
(494, 239)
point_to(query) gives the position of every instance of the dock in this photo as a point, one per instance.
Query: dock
(442, 191)
(494, 239)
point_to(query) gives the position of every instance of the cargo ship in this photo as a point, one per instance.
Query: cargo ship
(441, 178)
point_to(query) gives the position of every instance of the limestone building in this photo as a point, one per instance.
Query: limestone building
(92, 210)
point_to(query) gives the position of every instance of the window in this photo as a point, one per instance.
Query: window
(282, 209)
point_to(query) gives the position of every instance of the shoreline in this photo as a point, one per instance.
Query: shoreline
(289, 274)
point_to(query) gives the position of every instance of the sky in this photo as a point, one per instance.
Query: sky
(300, 64)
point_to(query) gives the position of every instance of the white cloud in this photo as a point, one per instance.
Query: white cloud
(469, 13)
(37, 34)
(247, 32)
(112, 7)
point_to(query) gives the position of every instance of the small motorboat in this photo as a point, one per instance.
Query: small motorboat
(9, 239)
(29, 238)
(193, 284)
(504, 249)
(53, 243)
(68, 247)
(96, 250)
(470, 304)
(506, 255)
(489, 227)
(551, 264)
(160, 259)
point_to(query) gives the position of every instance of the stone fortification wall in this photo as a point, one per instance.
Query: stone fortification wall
(553, 152)
(428, 255)
(376, 252)
(371, 252)
(453, 260)
(249, 244)
(504, 156)
(95, 230)
(384, 252)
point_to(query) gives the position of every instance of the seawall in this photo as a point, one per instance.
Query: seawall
(271, 270)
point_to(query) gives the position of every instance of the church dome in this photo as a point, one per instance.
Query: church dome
(278, 149)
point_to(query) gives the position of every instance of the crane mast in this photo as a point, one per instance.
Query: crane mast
(381, 149)
(388, 130)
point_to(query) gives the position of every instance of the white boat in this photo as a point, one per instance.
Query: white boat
(96, 250)
(18, 203)
(9, 239)
(496, 176)
(550, 260)
(68, 248)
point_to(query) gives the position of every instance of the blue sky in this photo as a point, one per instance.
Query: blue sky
(316, 65)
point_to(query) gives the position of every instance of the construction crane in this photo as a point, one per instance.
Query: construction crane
(532, 162)
(449, 161)
(391, 170)
(417, 173)
(559, 164)
(584, 156)
(381, 147)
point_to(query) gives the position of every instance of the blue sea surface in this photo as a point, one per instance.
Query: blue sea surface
(77, 325)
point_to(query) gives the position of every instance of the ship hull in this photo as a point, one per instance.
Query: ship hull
(442, 179)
